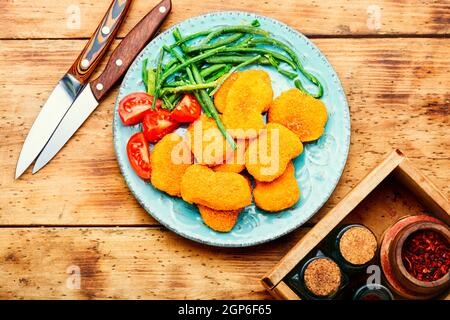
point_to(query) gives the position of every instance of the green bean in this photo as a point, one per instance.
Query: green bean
(151, 81)
(243, 64)
(178, 37)
(167, 103)
(158, 81)
(290, 75)
(211, 69)
(190, 61)
(292, 54)
(229, 29)
(190, 37)
(212, 109)
(235, 59)
(244, 40)
(276, 55)
(217, 75)
(219, 43)
(255, 23)
(145, 73)
(189, 87)
(176, 83)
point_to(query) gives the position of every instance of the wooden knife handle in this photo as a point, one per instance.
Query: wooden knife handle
(100, 41)
(129, 48)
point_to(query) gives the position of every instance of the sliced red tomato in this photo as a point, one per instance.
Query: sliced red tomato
(139, 155)
(157, 123)
(187, 110)
(133, 107)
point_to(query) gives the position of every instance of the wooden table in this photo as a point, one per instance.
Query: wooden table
(78, 214)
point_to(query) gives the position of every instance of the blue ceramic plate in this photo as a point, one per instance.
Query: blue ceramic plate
(317, 169)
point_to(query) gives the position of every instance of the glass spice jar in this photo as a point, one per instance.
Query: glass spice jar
(373, 292)
(354, 247)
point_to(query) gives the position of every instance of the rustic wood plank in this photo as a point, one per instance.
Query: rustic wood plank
(397, 91)
(68, 19)
(129, 263)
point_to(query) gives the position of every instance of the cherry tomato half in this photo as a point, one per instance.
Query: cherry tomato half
(157, 123)
(133, 107)
(139, 155)
(187, 110)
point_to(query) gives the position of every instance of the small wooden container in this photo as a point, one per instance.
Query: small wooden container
(393, 190)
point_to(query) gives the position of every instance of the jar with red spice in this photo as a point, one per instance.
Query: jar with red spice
(415, 257)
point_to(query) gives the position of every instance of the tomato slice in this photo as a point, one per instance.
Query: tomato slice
(139, 155)
(187, 110)
(157, 123)
(133, 107)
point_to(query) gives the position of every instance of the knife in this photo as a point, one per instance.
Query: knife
(71, 84)
(96, 90)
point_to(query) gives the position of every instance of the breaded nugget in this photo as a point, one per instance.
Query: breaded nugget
(236, 162)
(301, 113)
(220, 98)
(170, 158)
(267, 156)
(206, 142)
(221, 221)
(216, 190)
(280, 194)
(249, 96)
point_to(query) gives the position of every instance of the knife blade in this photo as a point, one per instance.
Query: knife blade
(70, 85)
(95, 91)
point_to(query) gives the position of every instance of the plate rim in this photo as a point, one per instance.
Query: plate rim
(249, 242)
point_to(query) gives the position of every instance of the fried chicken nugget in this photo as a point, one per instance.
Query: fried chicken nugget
(220, 98)
(249, 96)
(267, 156)
(206, 142)
(301, 113)
(170, 158)
(280, 194)
(216, 190)
(236, 162)
(221, 221)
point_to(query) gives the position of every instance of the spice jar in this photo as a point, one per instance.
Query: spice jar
(415, 257)
(373, 292)
(322, 277)
(355, 247)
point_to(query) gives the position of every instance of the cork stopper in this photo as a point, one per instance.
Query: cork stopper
(322, 277)
(358, 245)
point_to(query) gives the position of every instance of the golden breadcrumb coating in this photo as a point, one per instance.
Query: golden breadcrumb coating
(301, 113)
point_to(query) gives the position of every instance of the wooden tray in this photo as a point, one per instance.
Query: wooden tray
(394, 189)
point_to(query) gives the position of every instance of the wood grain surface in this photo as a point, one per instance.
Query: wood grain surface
(129, 263)
(75, 19)
(391, 56)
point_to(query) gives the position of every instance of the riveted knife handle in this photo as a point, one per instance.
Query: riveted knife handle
(129, 48)
(100, 41)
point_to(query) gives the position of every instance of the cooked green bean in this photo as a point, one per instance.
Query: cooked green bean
(290, 75)
(243, 64)
(189, 87)
(294, 57)
(256, 23)
(229, 29)
(145, 73)
(190, 37)
(178, 37)
(219, 43)
(190, 61)
(217, 75)
(151, 81)
(212, 109)
(235, 59)
(211, 69)
(176, 83)
(275, 54)
(158, 81)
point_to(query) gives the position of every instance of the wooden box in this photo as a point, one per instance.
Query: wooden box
(394, 189)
